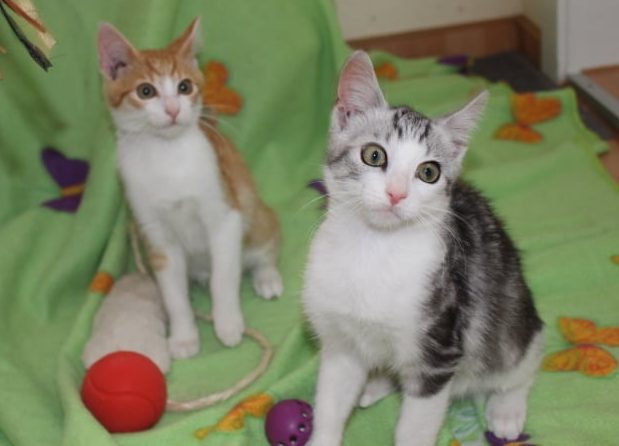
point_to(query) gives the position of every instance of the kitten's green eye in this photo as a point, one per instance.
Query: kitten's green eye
(146, 91)
(374, 155)
(429, 172)
(185, 87)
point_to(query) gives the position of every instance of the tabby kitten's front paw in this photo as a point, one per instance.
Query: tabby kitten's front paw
(184, 345)
(506, 415)
(229, 329)
(321, 440)
(376, 389)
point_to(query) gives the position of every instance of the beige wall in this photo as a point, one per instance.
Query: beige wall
(536, 11)
(576, 34)
(366, 18)
(547, 15)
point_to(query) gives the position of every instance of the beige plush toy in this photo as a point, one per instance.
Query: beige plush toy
(131, 318)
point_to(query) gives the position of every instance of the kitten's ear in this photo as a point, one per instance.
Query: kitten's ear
(115, 51)
(358, 89)
(460, 124)
(188, 43)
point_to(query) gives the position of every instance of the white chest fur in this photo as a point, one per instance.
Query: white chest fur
(173, 185)
(365, 288)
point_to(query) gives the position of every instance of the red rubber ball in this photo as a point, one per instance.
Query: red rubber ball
(125, 391)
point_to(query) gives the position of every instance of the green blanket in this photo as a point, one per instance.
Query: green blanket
(283, 56)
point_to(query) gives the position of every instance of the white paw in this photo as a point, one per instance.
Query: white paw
(160, 355)
(184, 345)
(322, 440)
(506, 416)
(267, 282)
(375, 389)
(229, 329)
(201, 278)
(367, 400)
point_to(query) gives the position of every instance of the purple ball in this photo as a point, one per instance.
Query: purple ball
(289, 423)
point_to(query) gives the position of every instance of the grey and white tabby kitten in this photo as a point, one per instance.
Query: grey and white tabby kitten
(412, 283)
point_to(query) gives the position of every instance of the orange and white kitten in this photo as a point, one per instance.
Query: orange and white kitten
(188, 188)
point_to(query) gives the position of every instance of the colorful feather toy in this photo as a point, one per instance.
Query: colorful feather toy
(26, 11)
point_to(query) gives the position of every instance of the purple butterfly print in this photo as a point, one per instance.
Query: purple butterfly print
(493, 440)
(460, 61)
(319, 186)
(70, 175)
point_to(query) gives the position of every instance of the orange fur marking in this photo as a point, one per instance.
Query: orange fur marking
(157, 259)
(241, 191)
(175, 59)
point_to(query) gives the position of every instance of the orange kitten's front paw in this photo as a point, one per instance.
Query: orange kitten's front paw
(183, 347)
(229, 329)
(268, 282)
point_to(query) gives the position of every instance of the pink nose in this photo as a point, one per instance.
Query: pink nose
(396, 197)
(172, 112)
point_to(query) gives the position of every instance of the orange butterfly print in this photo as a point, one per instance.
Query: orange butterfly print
(518, 132)
(256, 406)
(216, 94)
(386, 71)
(528, 109)
(585, 357)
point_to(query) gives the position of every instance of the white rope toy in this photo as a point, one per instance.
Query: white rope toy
(222, 395)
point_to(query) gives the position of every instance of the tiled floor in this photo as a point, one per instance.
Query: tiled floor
(608, 79)
(611, 159)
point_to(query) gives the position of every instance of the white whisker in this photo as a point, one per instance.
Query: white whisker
(313, 200)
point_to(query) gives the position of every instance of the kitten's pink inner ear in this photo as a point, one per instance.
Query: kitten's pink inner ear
(462, 123)
(358, 88)
(189, 42)
(115, 52)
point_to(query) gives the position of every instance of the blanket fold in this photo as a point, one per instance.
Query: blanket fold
(283, 57)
